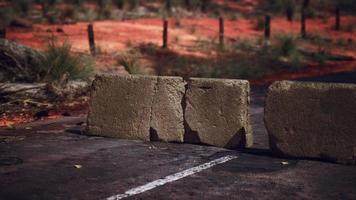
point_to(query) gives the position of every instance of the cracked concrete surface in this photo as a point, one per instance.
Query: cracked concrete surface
(167, 113)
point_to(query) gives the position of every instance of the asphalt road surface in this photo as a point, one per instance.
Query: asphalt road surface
(55, 160)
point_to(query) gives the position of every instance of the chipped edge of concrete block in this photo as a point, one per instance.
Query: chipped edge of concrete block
(247, 135)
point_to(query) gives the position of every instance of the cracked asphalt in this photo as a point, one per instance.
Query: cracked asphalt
(55, 160)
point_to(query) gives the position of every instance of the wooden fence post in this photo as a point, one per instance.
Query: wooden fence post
(303, 21)
(165, 34)
(337, 18)
(267, 32)
(91, 39)
(303, 29)
(221, 32)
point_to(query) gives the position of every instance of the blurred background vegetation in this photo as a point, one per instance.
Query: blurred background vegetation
(57, 11)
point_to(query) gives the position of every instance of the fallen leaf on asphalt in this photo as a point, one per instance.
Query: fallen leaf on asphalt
(285, 163)
(78, 166)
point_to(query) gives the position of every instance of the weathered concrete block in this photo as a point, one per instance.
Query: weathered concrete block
(313, 120)
(137, 107)
(120, 106)
(167, 111)
(217, 112)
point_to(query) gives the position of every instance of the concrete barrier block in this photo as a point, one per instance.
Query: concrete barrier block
(217, 112)
(120, 106)
(137, 107)
(167, 112)
(312, 120)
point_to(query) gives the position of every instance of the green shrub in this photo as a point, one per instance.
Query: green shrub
(6, 16)
(60, 61)
(204, 45)
(68, 12)
(23, 7)
(119, 3)
(242, 68)
(75, 2)
(133, 4)
(286, 45)
(130, 61)
(245, 45)
(286, 50)
(145, 48)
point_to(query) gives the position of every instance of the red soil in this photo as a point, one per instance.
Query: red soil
(114, 36)
(8, 121)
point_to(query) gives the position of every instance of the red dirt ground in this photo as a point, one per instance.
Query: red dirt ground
(116, 36)
(112, 36)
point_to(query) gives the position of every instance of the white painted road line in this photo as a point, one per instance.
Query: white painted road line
(171, 178)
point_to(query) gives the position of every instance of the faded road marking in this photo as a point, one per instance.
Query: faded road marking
(171, 178)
